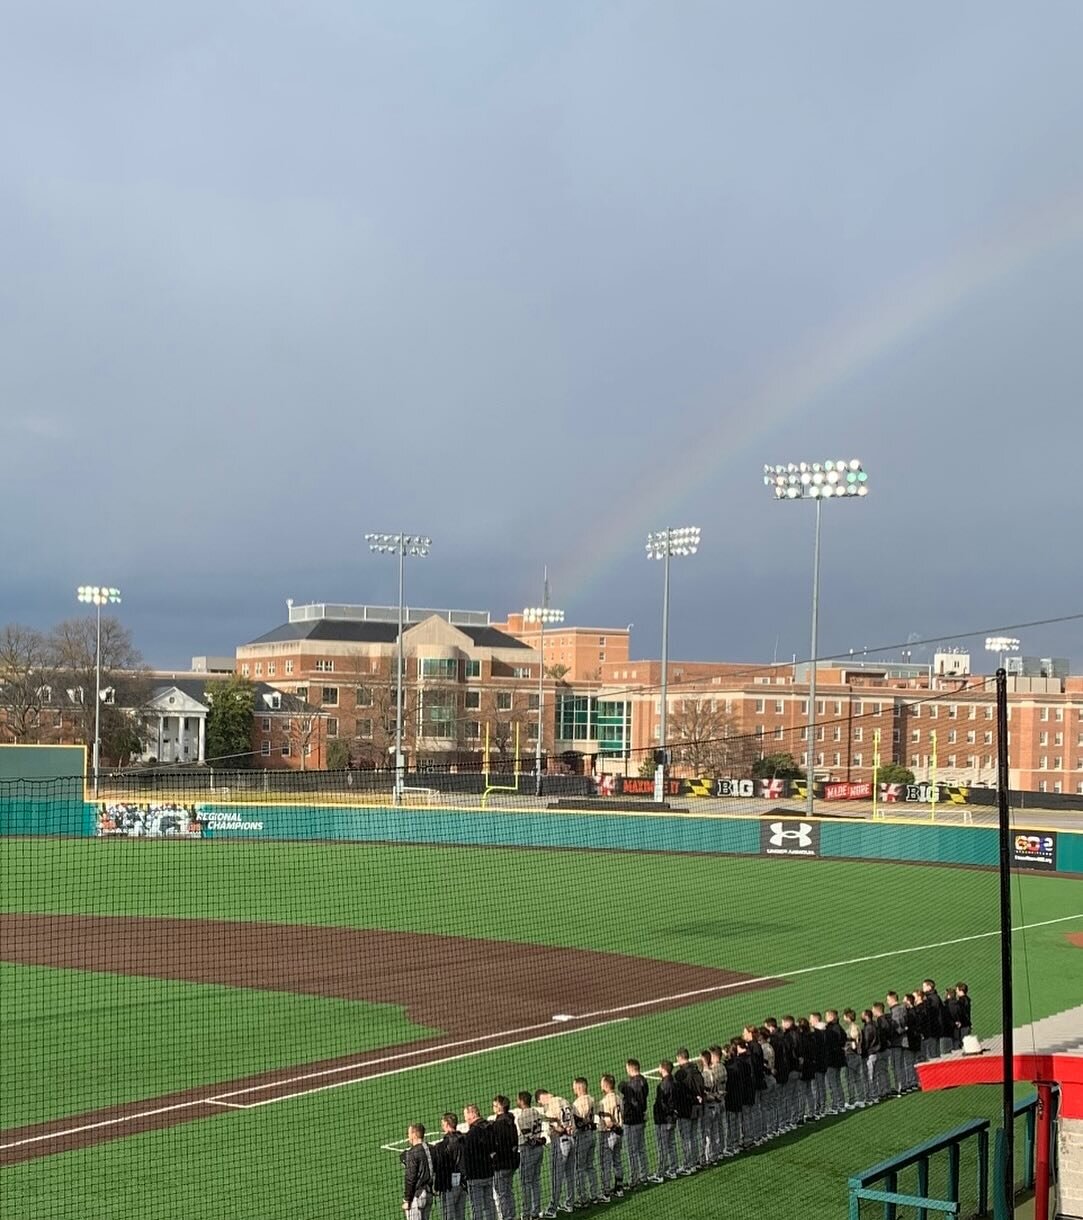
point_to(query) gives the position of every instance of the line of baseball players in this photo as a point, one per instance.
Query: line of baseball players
(763, 1083)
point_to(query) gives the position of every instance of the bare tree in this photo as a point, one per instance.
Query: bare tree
(27, 682)
(706, 739)
(71, 647)
(509, 719)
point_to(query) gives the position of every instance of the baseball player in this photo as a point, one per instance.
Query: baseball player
(586, 1175)
(610, 1136)
(531, 1149)
(559, 1118)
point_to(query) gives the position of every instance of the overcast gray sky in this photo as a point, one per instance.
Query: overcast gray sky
(534, 279)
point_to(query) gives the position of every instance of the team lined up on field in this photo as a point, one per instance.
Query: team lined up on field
(764, 1083)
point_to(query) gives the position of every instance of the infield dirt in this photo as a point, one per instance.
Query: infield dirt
(479, 992)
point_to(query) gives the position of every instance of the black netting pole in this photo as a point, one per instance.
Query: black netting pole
(1008, 1118)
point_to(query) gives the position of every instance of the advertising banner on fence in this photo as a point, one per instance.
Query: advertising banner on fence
(1035, 849)
(847, 792)
(149, 820)
(790, 837)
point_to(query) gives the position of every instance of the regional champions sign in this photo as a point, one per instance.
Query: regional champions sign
(789, 837)
(1035, 849)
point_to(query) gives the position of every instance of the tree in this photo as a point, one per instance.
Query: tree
(27, 680)
(705, 738)
(647, 765)
(229, 722)
(508, 725)
(125, 688)
(777, 766)
(338, 754)
(556, 672)
(375, 701)
(892, 773)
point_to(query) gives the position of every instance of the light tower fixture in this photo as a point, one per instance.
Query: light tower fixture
(417, 546)
(838, 479)
(543, 616)
(1000, 644)
(665, 544)
(97, 596)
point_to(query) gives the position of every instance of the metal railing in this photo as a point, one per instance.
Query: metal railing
(880, 1183)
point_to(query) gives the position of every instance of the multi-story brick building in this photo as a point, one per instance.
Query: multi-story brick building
(465, 683)
(576, 654)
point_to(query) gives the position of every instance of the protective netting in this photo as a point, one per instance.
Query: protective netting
(231, 995)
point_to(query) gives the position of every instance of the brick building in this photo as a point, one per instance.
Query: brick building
(465, 681)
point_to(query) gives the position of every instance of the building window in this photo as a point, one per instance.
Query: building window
(473, 730)
(858, 760)
(532, 703)
(473, 669)
(972, 712)
(1058, 762)
(289, 667)
(601, 641)
(915, 734)
(780, 733)
(759, 705)
(953, 711)
(503, 730)
(265, 749)
(308, 749)
(330, 696)
(332, 726)
(836, 732)
(363, 695)
(857, 707)
(503, 701)
(915, 711)
(324, 667)
(270, 669)
(1041, 786)
(1043, 714)
(971, 737)
(896, 736)
(259, 669)
(1058, 713)
(473, 700)
(780, 707)
(364, 727)
(821, 707)
(859, 733)
(244, 670)
(1058, 739)
(988, 713)
(523, 671)
(836, 759)
(804, 707)
(987, 738)
(265, 724)
(301, 692)
(951, 737)
(285, 749)
(445, 668)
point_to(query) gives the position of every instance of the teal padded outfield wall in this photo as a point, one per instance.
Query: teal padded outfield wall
(22, 814)
(42, 762)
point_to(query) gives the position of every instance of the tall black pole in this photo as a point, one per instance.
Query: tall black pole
(1006, 1019)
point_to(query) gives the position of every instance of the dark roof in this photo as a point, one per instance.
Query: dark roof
(356, 632)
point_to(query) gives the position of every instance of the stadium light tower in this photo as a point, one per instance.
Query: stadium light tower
(541, 615)
(818, 481)
(400, 545)
(98, 596)
(684, 540)
(1000, 644)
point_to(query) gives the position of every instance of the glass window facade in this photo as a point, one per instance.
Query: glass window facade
(585, 718)
(446, 668)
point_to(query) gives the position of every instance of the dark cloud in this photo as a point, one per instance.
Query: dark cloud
(509, 274)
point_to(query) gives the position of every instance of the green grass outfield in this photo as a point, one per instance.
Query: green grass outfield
(319, 1155)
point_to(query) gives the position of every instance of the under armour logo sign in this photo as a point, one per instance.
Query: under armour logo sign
(801, 835)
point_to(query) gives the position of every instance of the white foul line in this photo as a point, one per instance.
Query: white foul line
(337, 1084)
(781, 974)
(788, 974)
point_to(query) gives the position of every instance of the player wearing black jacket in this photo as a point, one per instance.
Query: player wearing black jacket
(417, 1162)
(835, 1044)
(689, 1111)
(633, 1093)
(931, 1045)
(478, 1164)
(872, 1051)
(505, 1139)
(666, 1099)
(448, 1170)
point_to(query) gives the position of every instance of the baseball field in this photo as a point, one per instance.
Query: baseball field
(212, 1028)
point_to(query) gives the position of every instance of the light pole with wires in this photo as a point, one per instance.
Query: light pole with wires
(541, 615)
(400, 545)
(818, 481)
(1000, 644)
(98, 596)
(683, 540)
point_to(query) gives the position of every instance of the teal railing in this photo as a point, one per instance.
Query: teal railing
(880, 1183)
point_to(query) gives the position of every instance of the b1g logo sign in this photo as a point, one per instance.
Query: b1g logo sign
(790, 838)
(1034, 849)
(736, 787)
